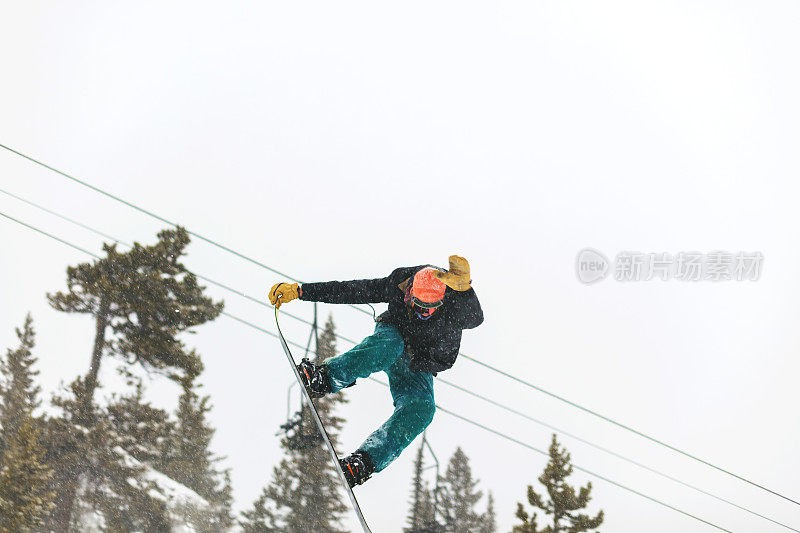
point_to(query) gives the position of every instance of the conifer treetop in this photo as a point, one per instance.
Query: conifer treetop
(147, 297)
(563, 502)
(18, 390)
(459, 497)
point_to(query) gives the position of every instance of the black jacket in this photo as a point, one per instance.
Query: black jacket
(433, 344)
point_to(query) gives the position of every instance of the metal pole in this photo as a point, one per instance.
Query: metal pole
(436, 461)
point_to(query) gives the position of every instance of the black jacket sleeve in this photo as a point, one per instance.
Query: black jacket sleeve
(359, 291)
(470, 313)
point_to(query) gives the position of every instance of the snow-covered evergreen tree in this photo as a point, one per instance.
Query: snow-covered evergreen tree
(25, 497)
(563, 500)
(304, 494)
(141, 301)
(110, 483)
(459, 497)
(189, 459)
(144, 431)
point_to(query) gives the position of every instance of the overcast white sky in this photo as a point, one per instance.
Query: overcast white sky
(341, 140)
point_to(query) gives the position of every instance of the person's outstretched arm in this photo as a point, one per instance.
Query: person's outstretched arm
(359, 291)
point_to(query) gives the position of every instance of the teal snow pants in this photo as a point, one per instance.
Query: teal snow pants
(412, 391)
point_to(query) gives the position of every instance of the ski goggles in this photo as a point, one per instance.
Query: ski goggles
(424, 310)
(426, 305)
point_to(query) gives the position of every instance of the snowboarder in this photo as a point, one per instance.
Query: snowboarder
(418, 336)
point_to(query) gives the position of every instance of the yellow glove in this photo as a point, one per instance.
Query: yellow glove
(280, 293)
(457, 278)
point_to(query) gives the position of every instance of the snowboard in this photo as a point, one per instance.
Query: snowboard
(321, 427)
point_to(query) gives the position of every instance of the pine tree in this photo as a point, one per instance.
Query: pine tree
(223, 515)
(144, 431)
(304, 492)
(18, 392)
(67, 448)
(139, 432)
(114, 487)
(563, 501)
(422, 514)
(24, 495)
(415, 518)
(190, 461)
(109, 480)
(24, 475)
(489, 519)
(428, 511)
(460, 496)
(147, 298)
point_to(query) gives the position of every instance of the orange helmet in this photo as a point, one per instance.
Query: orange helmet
(427, 291)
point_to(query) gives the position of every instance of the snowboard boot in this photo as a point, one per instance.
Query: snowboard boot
(314, 378)
(357, 468)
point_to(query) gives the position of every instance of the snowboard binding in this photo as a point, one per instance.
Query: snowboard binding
(314, 378)
(357, 467)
